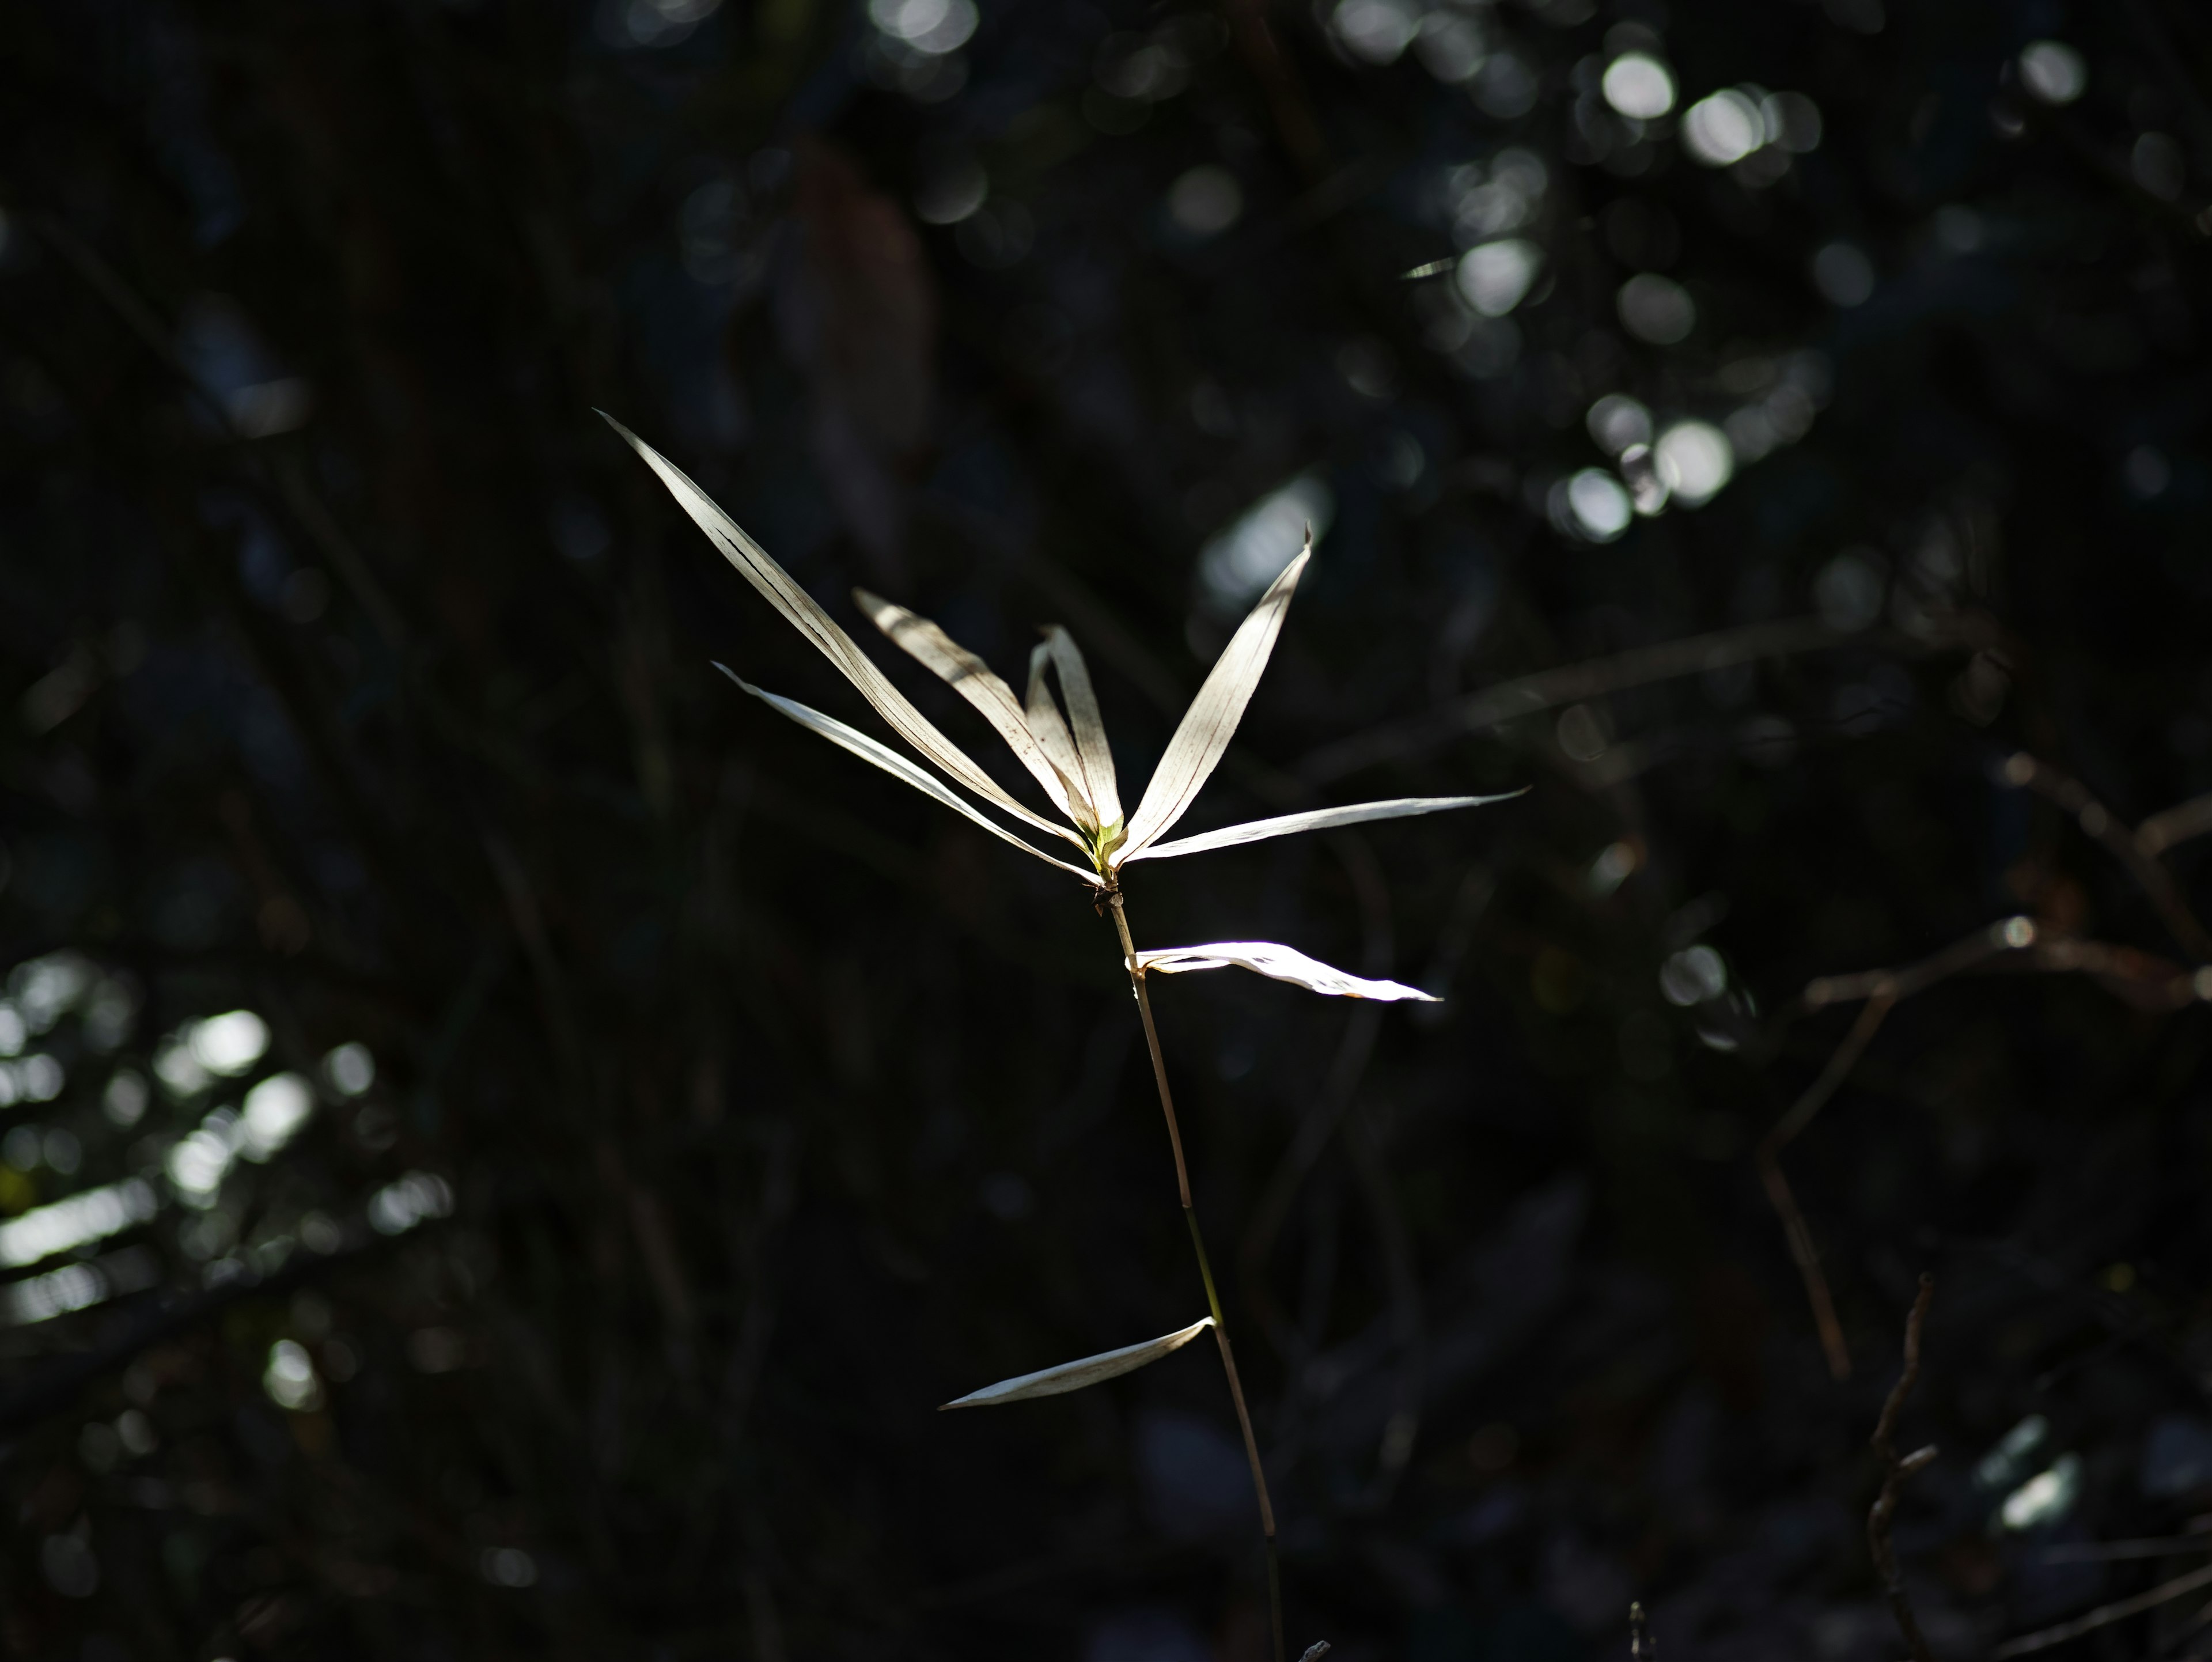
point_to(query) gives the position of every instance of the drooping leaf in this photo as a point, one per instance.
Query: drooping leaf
(1207, 725)
(1282, 963)
(1083, 717)
(1288, 824)
(971, 677)
(1073, 1376)
(896, 765)
(799, 610)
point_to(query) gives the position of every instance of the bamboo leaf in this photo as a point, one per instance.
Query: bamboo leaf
(1073, 1376)
(1206, 725)
(971, 677)
(1281, 963)
(896, 765)
(1289, 824)
(1083, 717)
(1044, 719)
(800, 610)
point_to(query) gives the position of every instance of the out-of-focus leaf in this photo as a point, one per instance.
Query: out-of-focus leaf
(971, 677)
(1091, 1370)
(801, 612)
(893, 763)
(1288, 824)
(858, 310)
(1280, 962)
(1207, 725)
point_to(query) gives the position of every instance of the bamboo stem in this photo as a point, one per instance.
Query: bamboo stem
(1206, 1272)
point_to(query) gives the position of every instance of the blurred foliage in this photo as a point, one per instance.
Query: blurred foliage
(646, 1117)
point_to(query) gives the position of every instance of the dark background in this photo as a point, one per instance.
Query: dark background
(732, 1107)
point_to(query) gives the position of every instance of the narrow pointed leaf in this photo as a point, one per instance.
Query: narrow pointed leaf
(1075, 690)
(1289, 824)
(895, 765)
(1282, 963)
(971, 677)
(1206, 725)
(800, 610)
(1073, 1376)
(1044, 719)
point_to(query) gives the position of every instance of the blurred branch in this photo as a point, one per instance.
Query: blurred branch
(292, 484)
(1263, 55)
(1895, 1470)
(1768, 1159)
(2175, 825)
(1640, 1645)
(2023, 772)
(2134, 977)
(1528, 695)
(2104, 1615)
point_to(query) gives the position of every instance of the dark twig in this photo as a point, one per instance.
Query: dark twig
(1894, 1472)
(1570, 683)
(1769, 1159)
(1640, 1645)
(2126, 845)
(2135, 977)
(2104, 1615)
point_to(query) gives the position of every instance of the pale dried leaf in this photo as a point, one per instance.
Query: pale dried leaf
(1288, 824)
(971, 677)
(1282, 963)
(800, 610)
(1075, 690)
(1073, 1376)
(896, 765)
(1207, 725)
(1044, 719)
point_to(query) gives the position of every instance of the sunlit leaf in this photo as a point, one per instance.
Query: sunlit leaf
(1255, 831)
(1213, 716)
(1044, 719)
(1073, 1376)
(895, 765)
(1282, 963)
(971, 677)
(800, 610)
(1083, 717)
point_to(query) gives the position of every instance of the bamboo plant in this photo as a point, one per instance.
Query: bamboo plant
(1062, 744)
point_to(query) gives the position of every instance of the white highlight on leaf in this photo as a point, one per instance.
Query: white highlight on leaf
(1091, 1370)
(972, 678)
(1279, 962)
(1290, 825)
(800, 610)
(1639, 86)
(893, 763)
(77, 1221)
(1088, 727)
(1066, 752)
(1204, 733)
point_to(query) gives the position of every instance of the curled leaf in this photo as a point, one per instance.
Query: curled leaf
(1254, 830)
(893, 763)
(1073, 1376)
(1281, 963)
(1207, 725)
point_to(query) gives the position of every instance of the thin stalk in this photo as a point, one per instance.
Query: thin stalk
(1206, 1272)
